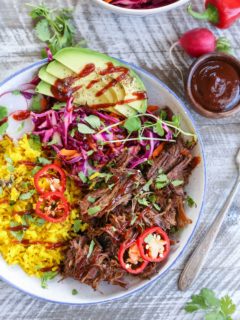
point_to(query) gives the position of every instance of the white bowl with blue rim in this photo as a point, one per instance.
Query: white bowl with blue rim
(139, 12)
(61, 291)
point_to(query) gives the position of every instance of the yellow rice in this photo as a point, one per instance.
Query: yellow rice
(32, 258)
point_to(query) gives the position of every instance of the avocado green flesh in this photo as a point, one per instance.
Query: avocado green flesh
(45, 76)
(132, 83)
(76, 58)
(58, 70)
(44, 88)
(69, 62)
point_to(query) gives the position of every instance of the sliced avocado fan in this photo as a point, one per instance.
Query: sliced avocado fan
(109, 84)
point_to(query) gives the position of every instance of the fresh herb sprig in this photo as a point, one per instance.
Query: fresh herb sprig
(3, 115)
(213, 307)
(54, 27)
(134, 124)
(47, 276)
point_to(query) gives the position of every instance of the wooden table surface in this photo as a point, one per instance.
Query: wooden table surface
(144, 42)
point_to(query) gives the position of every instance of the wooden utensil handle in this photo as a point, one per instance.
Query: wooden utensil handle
(197, 259)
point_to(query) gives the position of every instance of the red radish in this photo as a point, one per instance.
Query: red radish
(200, 41)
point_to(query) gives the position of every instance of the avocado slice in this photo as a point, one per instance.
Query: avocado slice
(44, 88)
(70, 57)
(58, 70)
(46, 77)
(69, 62)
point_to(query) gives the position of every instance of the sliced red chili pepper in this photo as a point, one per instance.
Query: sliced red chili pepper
(55, 176)
(52, 207)
(154, 245)
(130, 258)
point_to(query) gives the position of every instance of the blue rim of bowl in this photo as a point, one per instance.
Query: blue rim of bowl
(42, 62)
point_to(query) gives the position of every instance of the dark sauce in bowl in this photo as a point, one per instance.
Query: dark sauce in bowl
(216, 85)
(213, 85)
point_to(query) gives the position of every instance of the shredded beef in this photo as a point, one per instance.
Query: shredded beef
(122, 217)
(92, 269)
(127, 184)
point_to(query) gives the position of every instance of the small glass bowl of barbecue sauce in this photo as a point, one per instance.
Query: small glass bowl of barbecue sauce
(213, 85)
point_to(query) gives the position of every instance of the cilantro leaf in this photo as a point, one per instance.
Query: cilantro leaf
(3, 112)
(42, 30)
(163, 115)
(34, 142)
(58, 105)
(157, 207)
(35, 170)
(190, 202)
(90, 152)
(91, 199)
(10, 168)
(36, 103)
(132, 124)
(54, 27)
(133, 220)
(93, 121)
(176, 120)
(74, 292)
(209, 297)
(143, 201)
(146, 187)
(46, 277)
(161, 181)
(16, 92)
(77, 225)
(214, 316)
(44, 161)
(27, 195)
(3, 128)
(191, 307)
(40, 11)
(91, 247)
(214, 308)
(84, 129)
(159, 129)
(82, 177)
(93, 210)
(177, 183)
(16, 234)
(105, 176)
(54, 140)
(39, 222)
(227, 305)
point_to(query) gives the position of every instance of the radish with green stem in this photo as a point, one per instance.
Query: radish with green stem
(198, 42)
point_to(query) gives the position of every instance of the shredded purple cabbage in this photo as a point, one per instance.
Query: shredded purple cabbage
(89, 152)
(142, 4)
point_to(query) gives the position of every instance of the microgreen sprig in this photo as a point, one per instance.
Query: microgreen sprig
(157, 127)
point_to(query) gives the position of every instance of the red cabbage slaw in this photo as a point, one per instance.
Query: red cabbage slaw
(91, 151)
(141, 4)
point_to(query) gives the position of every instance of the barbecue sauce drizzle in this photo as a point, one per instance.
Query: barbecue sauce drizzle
(62, 88)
